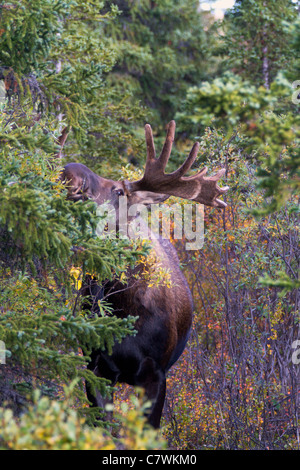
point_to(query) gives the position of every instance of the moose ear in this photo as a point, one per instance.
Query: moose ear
(147, 197)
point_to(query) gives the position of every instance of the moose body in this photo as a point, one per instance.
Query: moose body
(164, 312)
(163, 327)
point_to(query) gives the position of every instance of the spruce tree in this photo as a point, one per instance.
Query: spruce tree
(44, 239)
(161, 48)
(257, 39)
(47, 242)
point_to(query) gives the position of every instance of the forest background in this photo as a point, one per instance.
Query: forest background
(96, 72)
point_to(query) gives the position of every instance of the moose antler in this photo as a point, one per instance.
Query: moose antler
(62, 140)
(198, 187)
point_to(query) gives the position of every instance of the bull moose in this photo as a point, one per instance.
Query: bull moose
(164, 313)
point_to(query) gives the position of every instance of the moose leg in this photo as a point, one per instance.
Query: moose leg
(158, 401)
(153, 381)
(96, 399)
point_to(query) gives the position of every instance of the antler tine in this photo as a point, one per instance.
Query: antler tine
(218, 175)
(151, 154)
(181, 171)
(166, 150)
(62, 140)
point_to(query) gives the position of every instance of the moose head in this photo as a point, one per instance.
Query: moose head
(155, 186)
(164, 313)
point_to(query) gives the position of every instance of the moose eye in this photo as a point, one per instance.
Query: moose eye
(119, 192)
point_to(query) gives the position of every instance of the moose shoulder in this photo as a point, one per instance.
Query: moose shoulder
(164, 313)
